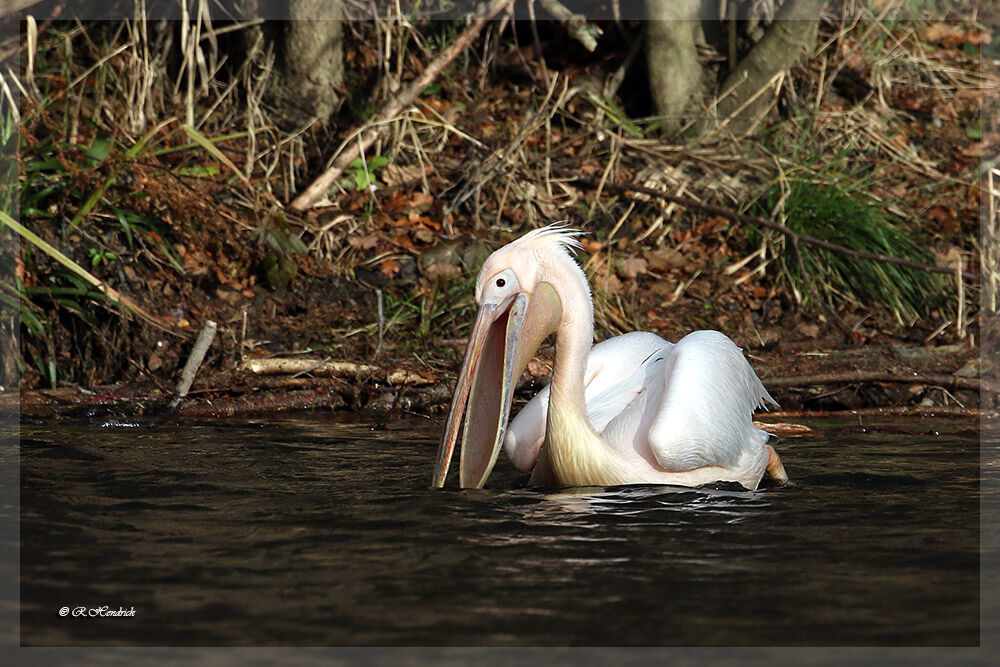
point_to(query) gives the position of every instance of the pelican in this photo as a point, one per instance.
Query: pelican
(634, 409)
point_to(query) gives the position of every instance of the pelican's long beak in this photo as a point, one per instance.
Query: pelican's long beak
(504, 338)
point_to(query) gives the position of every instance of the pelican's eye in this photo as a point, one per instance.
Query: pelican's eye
(501, 286)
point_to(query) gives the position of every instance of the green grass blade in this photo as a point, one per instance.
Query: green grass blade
(207, 144)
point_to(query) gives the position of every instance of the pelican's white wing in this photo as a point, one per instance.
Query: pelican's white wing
(705, 417)
(609, 364)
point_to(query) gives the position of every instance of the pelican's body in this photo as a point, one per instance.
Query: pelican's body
(634, 409)
(660, 412)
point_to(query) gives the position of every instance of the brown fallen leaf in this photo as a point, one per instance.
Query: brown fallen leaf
(389, 267)
(940, 32)
(420, 202)
(810, 330)
(538, 369)
(363, 242)
(633, 267)
(973, 150)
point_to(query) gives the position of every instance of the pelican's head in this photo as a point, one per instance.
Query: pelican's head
(518, 309)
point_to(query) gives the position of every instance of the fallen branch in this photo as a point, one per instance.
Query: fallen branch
(575, 24)
(268, 402)
(201, 345)
(338, 369)
(892, 411)
(952, 381)
(393, 108)
(741, 218)
(279, 366)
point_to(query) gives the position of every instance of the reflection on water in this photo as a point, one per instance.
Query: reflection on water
(313, 532)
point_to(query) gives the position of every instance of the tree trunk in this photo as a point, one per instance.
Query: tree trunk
(746, 98)
(310, 67)
(676, 78)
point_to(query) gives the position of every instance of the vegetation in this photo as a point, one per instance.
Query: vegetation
(852, 219)
(164, 175)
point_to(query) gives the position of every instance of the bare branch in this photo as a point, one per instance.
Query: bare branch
(575, 24)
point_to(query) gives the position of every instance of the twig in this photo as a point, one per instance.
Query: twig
(205, 338)
(152, 378)
(381, 323)
(960, 325)
(770, 224)
(243, 335)
(537, 42)
(975, 384)
(394, 107)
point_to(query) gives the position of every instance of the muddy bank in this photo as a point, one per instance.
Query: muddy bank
(805, 379)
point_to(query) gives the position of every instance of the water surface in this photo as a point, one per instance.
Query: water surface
(312, 532)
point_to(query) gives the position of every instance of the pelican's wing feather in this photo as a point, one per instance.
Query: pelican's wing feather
(609, 362)
(705, 415)
(614, 374)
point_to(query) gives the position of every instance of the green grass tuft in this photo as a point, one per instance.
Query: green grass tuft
(833, 213)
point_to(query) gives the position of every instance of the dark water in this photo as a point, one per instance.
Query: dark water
(311, 532)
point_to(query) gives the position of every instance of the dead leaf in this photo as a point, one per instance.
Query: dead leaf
(155, 363)
(944, 111)
(405, 377)
(661, 259)
(940, 32)
(712, 225)
(979, 38)
(538, 369)
(363, 242)
(547, 205)
(633, 267)
(396, 202)
(608, 283)
(442, 271)
(420, 202)
(940, 215)
(389, 267)
(973, 150)
(400, 174)
(809, 330)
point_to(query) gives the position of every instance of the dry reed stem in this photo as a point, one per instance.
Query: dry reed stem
(990, 259)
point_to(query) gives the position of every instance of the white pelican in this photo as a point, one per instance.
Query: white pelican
(634, 409)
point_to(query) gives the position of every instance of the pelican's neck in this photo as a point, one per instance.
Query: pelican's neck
(574, 338)
(573, 453)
